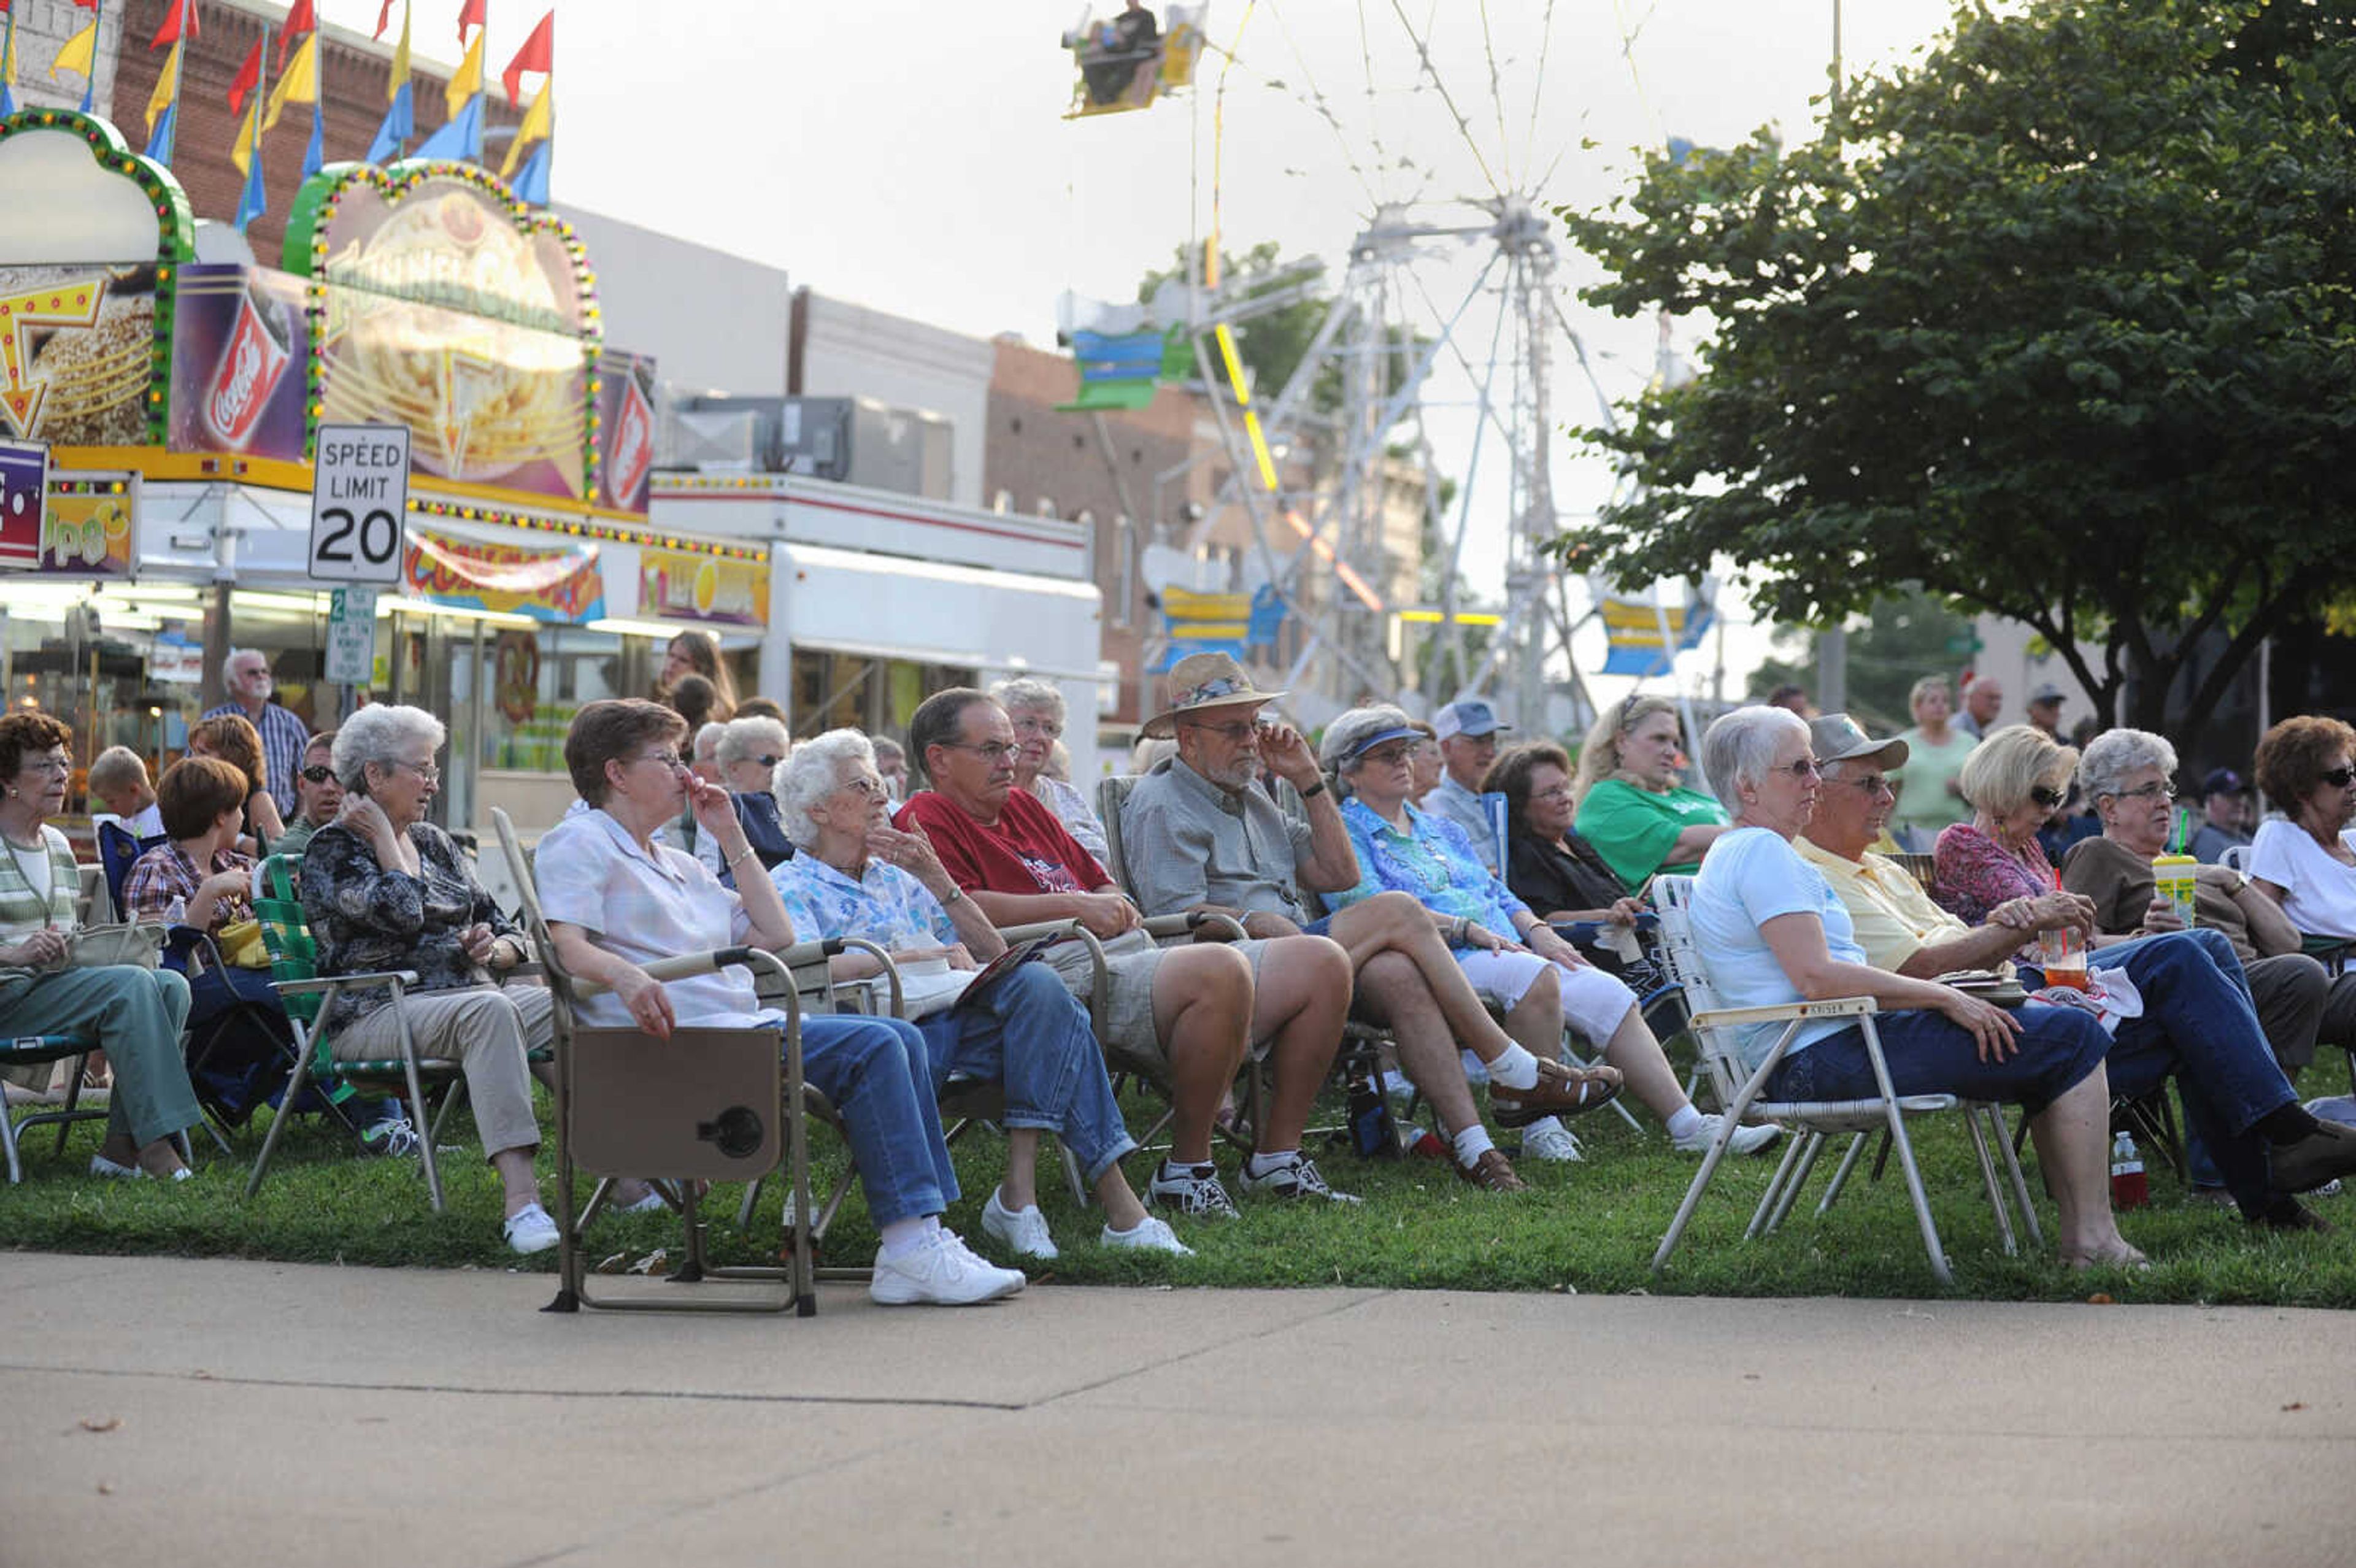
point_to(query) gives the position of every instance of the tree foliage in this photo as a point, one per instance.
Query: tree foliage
(2058, 322)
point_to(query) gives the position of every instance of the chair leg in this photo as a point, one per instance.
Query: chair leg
(1794, 1188)
(1988, 1175)
(425, 1144)
(294, 1083)
(1794, 1152)
(1717, 1152)
(2020, 1182)
(8, 1146)
(1905, 1147)
(1840, 1175)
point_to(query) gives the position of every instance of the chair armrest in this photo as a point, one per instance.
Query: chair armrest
(1200, 924)
(1834, 1008)
(1100, 981)
(332, 982)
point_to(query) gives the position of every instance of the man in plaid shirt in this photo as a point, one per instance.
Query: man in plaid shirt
(246, 673)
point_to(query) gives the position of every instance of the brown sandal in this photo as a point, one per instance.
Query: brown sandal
(1561, 1090)
(1492, 1172)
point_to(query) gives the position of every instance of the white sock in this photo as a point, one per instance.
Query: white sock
(1684, 1122)
(906, 1236)
(1472, 1144)
(1515, 1068)
(1261, 1164)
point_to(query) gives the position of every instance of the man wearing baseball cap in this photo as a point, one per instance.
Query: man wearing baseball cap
(1468, 732)
(2196, 1021)
(2045, 710)
(2225, 797)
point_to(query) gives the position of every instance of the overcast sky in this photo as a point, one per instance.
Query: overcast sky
(910, 157)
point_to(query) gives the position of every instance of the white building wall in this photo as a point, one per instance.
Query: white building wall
(42, 28)
(850, 351)
(726, 334)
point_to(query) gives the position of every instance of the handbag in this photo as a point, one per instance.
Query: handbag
(123, 942)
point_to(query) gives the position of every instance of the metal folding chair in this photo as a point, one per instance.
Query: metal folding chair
(1719, 1030)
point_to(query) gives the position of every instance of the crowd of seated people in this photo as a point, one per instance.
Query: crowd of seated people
(1425, 878)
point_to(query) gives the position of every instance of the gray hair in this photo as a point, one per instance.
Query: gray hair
(1740, 748)
(1924, 688)
(2112, 755)
(1028, 692)
(381, 733)
(710, 732)
(816, 770)
(742, 738)
(229, 663)
(1354, 726)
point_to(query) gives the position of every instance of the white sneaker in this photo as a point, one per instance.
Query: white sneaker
(1550, 1141)
(1149, 1236)
(530, 1230)
(1023, 1229)
(939, 1271)
(1746, 1140)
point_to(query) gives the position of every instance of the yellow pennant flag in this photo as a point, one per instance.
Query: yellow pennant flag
(8, 56)
(249, 135)
(81, 53)
(299, 85)
(539, 123)
(399, 79)
(468, 80)
(167, 87)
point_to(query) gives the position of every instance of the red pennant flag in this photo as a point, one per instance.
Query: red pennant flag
(538, 53)
(471, 16)
(179, 21)
(383, 17)
(300, 19)
(87, 5)
(249, 77)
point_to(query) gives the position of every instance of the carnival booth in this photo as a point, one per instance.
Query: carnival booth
(158, 423)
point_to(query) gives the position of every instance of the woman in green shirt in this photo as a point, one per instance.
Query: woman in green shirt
(1631, 806)
(1929, 798)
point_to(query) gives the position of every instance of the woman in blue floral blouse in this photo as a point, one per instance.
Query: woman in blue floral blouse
(858, 876)
(1510, 954)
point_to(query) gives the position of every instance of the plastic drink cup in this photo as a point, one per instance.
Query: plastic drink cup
(2063, 958)
(2172, 879)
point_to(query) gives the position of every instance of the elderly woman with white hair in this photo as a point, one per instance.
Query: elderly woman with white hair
(1774, 933)
(1036, 709)
(746, 756)
(858, 876)
(1511, 955)
(384, 889)
(2128, 776)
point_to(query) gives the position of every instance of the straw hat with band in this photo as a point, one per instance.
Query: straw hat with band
(1200, 683)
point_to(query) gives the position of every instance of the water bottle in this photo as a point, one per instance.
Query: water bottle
(1373, 1135)
(2172, 879)
(2128, 1188)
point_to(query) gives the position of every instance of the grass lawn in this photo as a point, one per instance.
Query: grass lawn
(1588, 1227)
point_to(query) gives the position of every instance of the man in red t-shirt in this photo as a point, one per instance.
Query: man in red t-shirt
(1183, 1015)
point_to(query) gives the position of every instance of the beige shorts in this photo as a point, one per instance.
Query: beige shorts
(1132, 962)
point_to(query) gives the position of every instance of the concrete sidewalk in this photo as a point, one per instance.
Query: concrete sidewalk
(231, 1413)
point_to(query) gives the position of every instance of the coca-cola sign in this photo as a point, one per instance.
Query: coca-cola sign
(626, 446)
(251, 365)
(237, 344)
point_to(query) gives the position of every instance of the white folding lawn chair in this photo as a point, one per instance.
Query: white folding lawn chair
(1719, 1030)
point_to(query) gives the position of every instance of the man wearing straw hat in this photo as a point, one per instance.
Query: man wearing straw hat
(1200, 832)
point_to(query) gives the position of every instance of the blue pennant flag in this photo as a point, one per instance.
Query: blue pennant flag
(461, 138)
(159, 141)
(399, 125)
(314, 156)
(253, 201)
(531, 180)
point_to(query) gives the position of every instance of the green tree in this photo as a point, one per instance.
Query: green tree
(2057, 323)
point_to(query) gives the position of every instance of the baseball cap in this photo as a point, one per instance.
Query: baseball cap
(1471, 717)
(2223, 781)
(1838, 738)
(2047, 692)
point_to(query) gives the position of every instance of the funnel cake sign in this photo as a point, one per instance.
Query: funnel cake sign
(564, 586)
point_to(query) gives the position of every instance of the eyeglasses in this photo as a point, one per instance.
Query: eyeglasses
(669, 760)
(1559, 792)
(1388, 756)
(868, 786)
(2162, 790)
(1805, 768)
(765, 761)
(2048, 798)
(318, 772)
(1032, 724)
(1872, 783)
(425, 771)
(1236, 732)
(991, 751)
(57, 765)
(2340, 778)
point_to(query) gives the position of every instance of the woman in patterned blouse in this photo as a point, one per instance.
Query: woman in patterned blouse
(858, 876)
(384, 889)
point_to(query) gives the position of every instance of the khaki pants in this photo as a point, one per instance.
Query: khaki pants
(487, 1029)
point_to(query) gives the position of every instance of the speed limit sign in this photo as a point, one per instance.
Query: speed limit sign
(359, 502)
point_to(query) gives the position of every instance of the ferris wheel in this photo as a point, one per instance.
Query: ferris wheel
(1452, 309)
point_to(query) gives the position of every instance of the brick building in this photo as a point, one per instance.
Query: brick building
(352, 70)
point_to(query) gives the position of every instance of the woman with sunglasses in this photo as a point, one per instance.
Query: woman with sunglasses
(747, 755)
(2015, 779)
(2307, 766)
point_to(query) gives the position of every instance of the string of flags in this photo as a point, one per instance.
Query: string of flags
(264, 88)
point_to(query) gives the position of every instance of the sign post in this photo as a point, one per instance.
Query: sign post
(359, 503)
(351, 637)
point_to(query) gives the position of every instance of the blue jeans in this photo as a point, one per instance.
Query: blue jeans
(1030, 1035)
(1930, 1054)
(2199, 1023)
(878, 1074)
